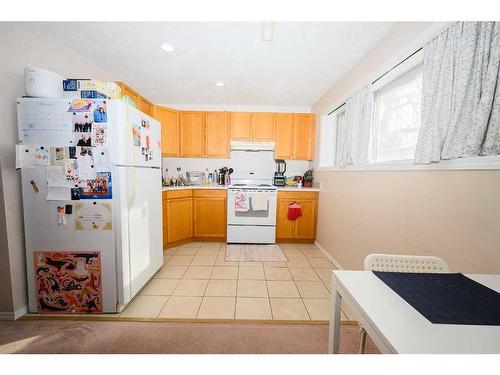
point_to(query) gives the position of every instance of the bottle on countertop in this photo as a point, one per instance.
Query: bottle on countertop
(205, 177)
(166, 177)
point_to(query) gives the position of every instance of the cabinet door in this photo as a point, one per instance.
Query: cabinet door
(284, 135)
(305, 228)
(241, 126)
(217, 134)
(209, 217)
(192, 130)
(180, 219)
(264, 126)
(164, 221)
(303, 136)
(130, 93)
(170, 131)
(285, 229)
(145, 106)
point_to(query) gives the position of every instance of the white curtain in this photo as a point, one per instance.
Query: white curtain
(461, 94)
(356, 131)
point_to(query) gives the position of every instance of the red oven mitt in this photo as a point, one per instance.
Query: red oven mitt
(294, 211)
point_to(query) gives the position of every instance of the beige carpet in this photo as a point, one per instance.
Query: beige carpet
(254, 253)
(62, 336)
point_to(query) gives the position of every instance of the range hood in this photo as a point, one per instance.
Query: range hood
(252, 146)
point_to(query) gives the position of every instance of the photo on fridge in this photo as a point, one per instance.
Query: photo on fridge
(100, 114)
(82, 122)
(99, 188)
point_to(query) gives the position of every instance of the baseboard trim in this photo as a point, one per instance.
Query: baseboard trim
(103, 317)
(15, 314)
(329, 256)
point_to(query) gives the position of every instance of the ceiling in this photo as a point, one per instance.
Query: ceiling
(296, 68)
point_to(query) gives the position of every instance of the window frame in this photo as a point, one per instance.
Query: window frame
(374, 131)
(472, 163)
(330, 120)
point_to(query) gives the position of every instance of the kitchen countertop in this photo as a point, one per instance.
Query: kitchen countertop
(215, 186)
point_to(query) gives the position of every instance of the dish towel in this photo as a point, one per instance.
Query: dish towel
(294, 211)
(241, 202)
(260, 201)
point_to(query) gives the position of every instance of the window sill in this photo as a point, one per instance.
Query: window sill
(476, 163)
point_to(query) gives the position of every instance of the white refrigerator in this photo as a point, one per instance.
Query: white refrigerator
(91, 186)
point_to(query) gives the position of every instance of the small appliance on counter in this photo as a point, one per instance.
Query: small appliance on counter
(279, 175)
(194, 177)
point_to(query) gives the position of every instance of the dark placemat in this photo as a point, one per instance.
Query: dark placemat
(446, 298)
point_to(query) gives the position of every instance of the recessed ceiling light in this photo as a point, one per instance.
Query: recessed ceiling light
(167, 47)
(219, 84)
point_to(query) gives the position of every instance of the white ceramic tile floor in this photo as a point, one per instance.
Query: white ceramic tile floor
(196, 282)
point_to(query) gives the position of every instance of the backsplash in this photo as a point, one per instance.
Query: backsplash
(239, 161)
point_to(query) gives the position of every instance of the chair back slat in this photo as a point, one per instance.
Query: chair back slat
(405, 263)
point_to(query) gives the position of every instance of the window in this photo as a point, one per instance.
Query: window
(331, 138)
(339, 134)
(396, 118)
(394, 127)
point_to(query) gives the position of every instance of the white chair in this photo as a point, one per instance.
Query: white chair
(401, 263)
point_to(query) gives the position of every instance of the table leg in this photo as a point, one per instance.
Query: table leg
(334, 329)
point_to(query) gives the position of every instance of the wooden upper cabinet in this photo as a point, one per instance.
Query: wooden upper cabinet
(145, 106)
(304, 134)
(170, 131)
(263, 126)
(241, 126)
(191, 134)
(284, 135)
(217, 134)
(131, 93)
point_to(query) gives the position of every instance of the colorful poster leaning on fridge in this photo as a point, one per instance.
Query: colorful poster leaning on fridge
(68, 281)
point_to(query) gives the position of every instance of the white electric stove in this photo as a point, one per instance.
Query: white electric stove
(251, 224)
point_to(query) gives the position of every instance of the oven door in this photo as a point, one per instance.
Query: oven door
(251, 217)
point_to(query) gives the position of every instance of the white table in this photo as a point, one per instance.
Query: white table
(396, 327)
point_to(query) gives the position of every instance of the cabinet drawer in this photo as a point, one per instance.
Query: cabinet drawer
(185, 193)
(209, 193)
(297, 195)
(164, 195)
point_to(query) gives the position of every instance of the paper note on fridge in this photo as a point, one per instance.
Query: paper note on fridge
(57, 193)
(102, 161)
(31, 156)
(93, 216)
(86, 170)
(56, 177)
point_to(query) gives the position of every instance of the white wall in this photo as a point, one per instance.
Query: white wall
(21, 45)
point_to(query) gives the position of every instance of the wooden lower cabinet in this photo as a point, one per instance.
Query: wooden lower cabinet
(164, 218)
(202, 214)
(209, 213)
(302, 229)
(193, 214)
(179, 215)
